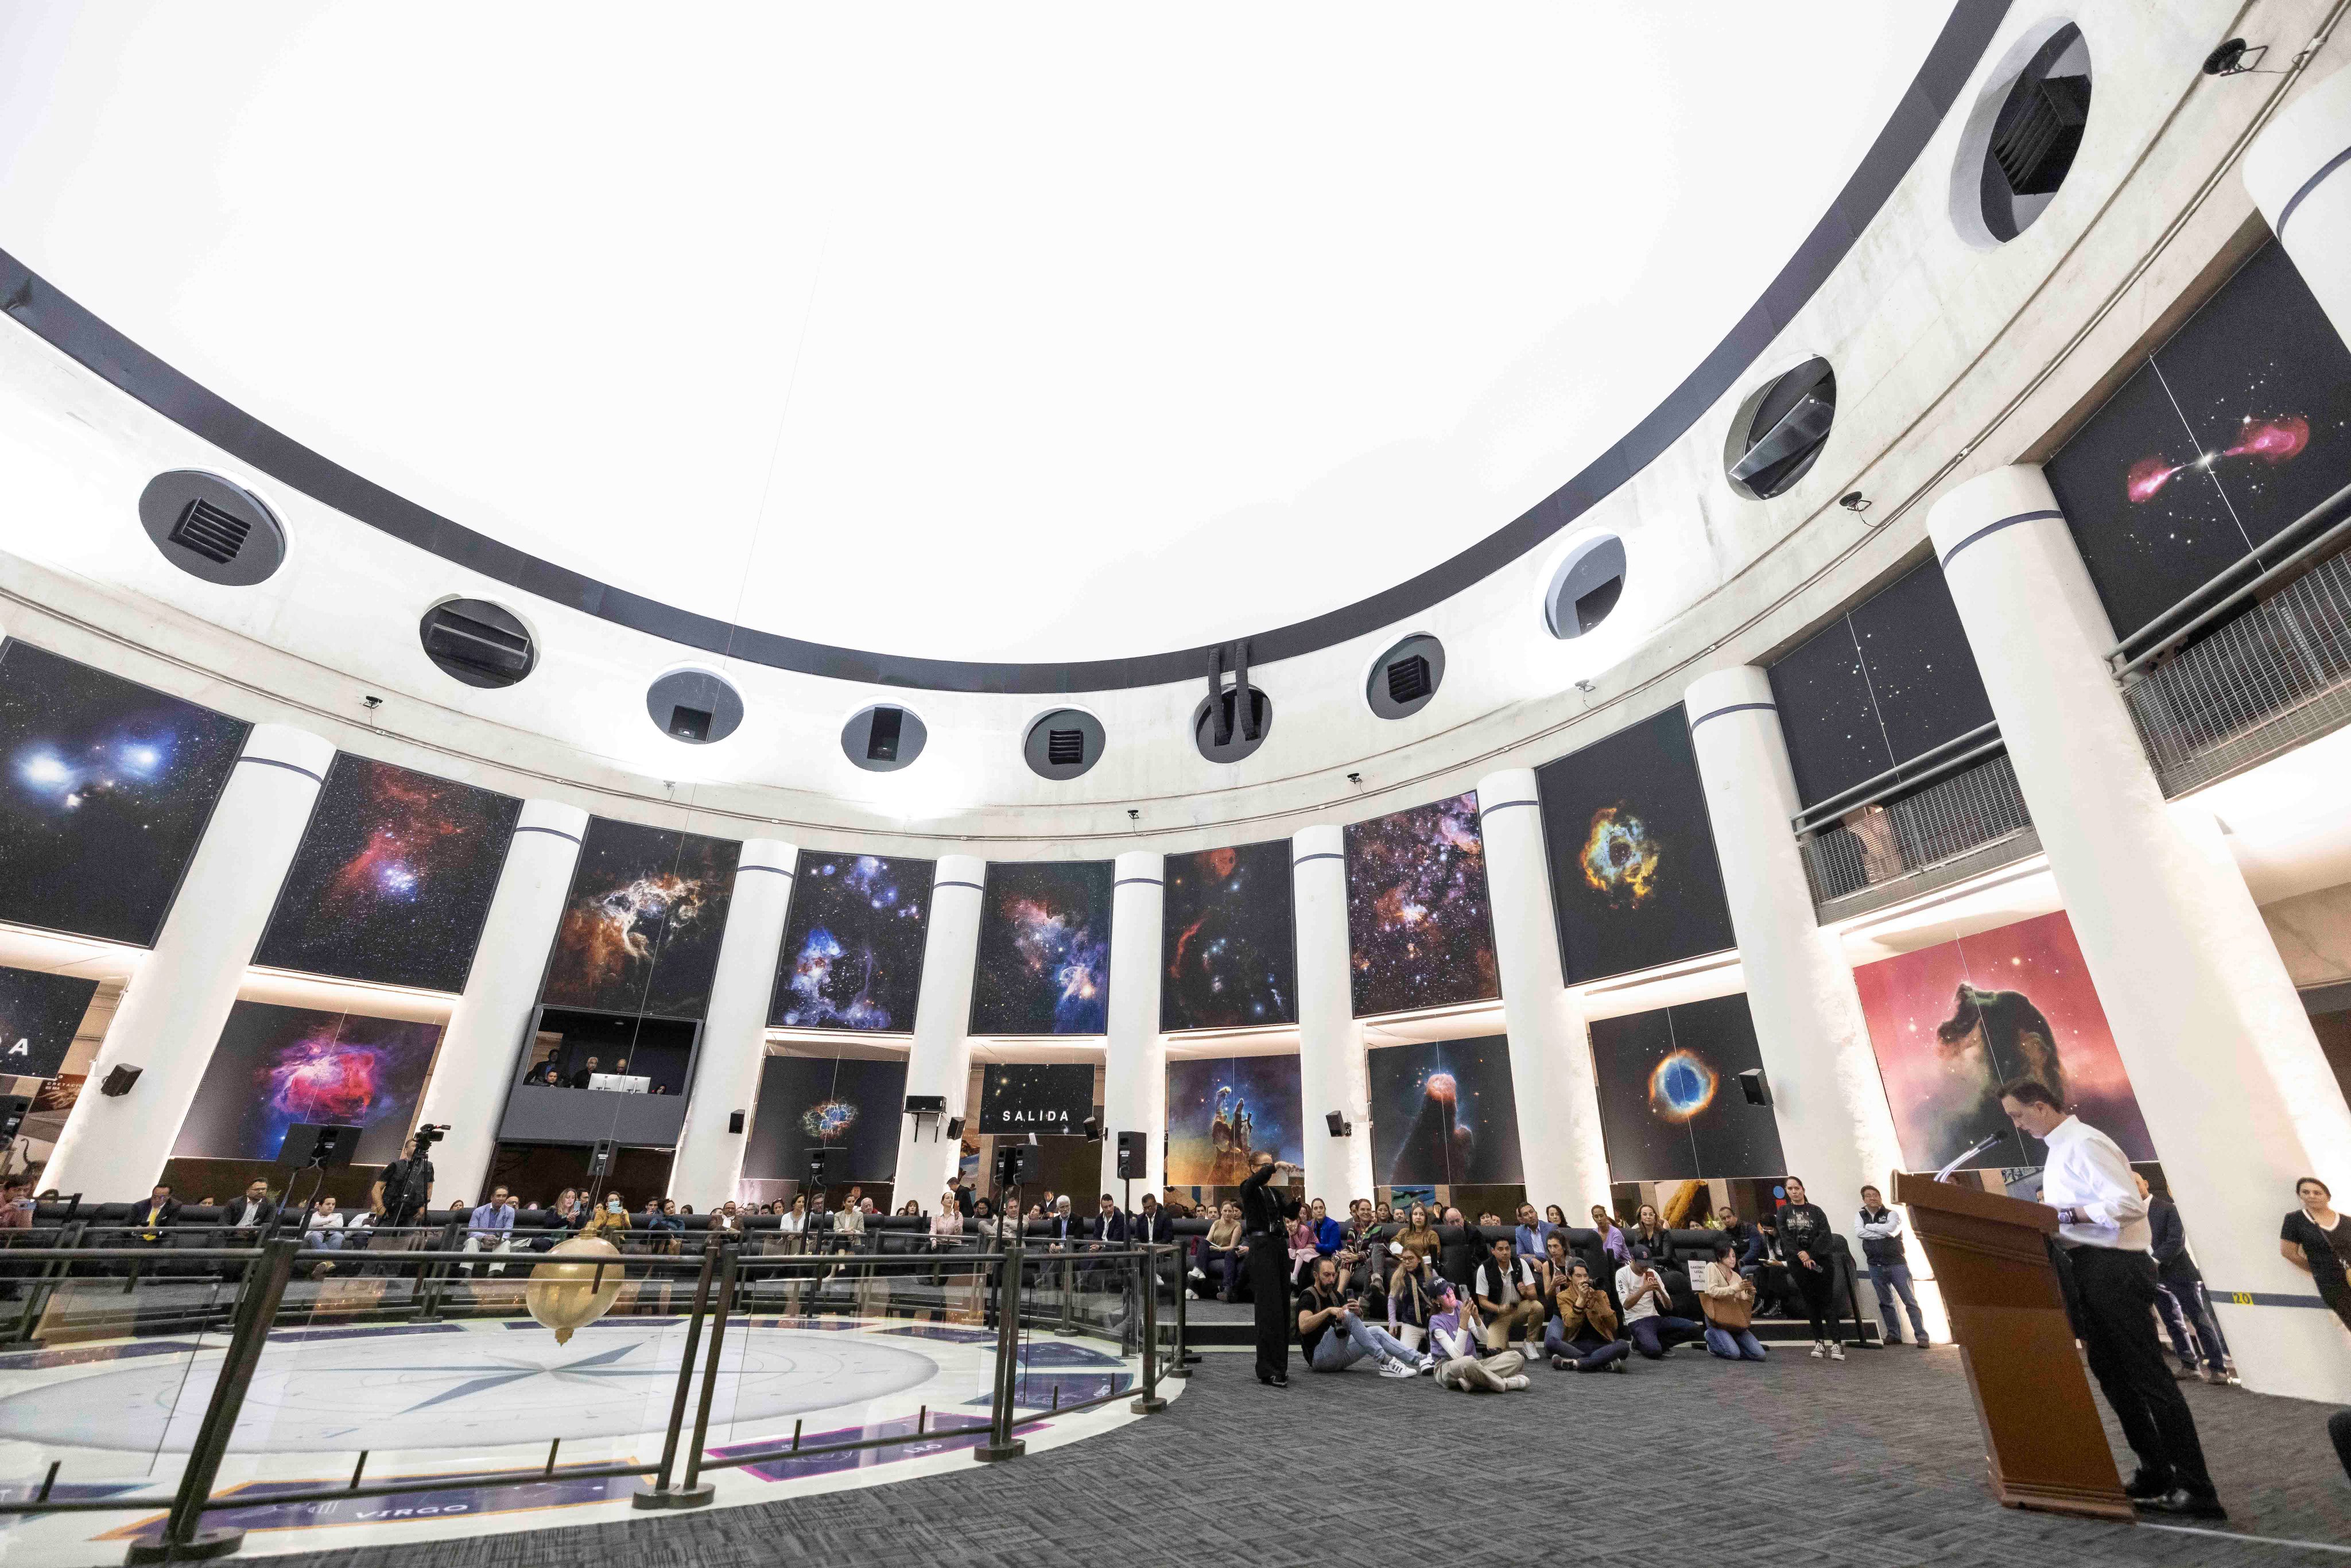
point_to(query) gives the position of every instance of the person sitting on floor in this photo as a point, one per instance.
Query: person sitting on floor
(1728, 1298)
(1332, 1335)
(1454, 1331)
(1582, 1334)
(1412, 1296)
(1510, 1296)
(1644, 1293)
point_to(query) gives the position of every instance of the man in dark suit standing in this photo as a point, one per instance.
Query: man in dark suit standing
(1263, 1232)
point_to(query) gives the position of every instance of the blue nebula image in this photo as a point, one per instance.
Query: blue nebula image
(853, 953)
(1682, 1085)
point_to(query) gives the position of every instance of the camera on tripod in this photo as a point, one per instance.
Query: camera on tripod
(428, 1135)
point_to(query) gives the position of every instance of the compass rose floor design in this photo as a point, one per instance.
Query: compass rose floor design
(459, 1399)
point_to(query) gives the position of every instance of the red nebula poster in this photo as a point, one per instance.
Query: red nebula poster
(1950, 1024)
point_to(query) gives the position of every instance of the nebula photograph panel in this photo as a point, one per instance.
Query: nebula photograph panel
(1227, 947)
(1670, 1104)
(1922, 673)
(1442, 1111)
(643, 923)
(278, 1066)
(1950, 1023)
(393, 879)
(853, 952)
(38, 1016)
(807, 1103)
(1044, 948)
(1222, 1109)
(105, 786)
(1417, 922)
(1634, 879)
(1826, 714)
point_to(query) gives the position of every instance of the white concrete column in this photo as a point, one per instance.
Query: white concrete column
(2298, 172)
(1836, 1131)
(940, 1061)
(709, 1160)
(1330, 1068)
(1560, 1141)
(1135, 1066)
(483, 1048)
(2236, 1092)
(113, 1146)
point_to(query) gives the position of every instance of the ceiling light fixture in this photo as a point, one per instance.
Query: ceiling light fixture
(2236, 59)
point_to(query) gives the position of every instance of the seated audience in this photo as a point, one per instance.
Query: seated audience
(1454, 1334)
(1643, 1291)
(1510, 1296)
(1222, 1254)
(1328, 1232)
(1582, 1334)
(1384, 1213)
(609, 1219)
(1805, 1238)
(491, 1229)
(1612, 1238)
(1647, 1235)
(946, 1224)
(1412, 1290)
(1332, 1335)
(1726, 1297)
(580, 1079)
(1555, 1216)
(152, 1217)
(323, 1232)
(250, 1216)
(1303, 1255)
(1459, 1258)
(1528, 1239)
(1420, 1235)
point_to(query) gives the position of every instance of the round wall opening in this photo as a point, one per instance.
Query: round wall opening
(1585, 586)
(2019, 142)
(695, 706)
(211, 528)
(1780, 429)
(478, 642)
(1227, 731)
(1063, 743)
(882, 738)
(1406, 677)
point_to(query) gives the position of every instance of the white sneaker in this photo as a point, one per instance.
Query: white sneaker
(1398, 1369)
(1820, 1348)
(1836, 1353)
(1428, 1365)
(1516, 1381)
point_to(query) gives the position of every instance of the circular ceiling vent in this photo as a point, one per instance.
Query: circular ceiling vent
(478, 642)
(2020, 142)
(883, 739)
(1406, 677)
(1780, 429)
(1226, 730)
(211, 528)
(695, 706)
(1063, 743)
(1585, 586)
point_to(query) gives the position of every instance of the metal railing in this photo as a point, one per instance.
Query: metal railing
(2254, 662)
(1967, 816)
(1112, 1293)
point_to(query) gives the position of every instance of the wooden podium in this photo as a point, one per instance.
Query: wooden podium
(2043, 1439)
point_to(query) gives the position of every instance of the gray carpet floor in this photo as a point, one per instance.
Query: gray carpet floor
(1874, 1463)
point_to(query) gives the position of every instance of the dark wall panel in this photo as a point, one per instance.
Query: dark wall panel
(1834, 740)
(1044, 948)
(807, 1103)
(1418, 920)
(853, 952)
(39, 1014)
(1633, 877)
(1922, 673)
(1227, 947)
(642, 928)
(393, 879)
(106, 789)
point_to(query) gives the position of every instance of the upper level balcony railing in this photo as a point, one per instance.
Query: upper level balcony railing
(2254, 664)
(1940, 818)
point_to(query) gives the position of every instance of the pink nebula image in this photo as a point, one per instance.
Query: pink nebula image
(2272, 441)
(326, 1081)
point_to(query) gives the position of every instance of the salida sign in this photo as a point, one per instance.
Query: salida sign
(1051, 1097)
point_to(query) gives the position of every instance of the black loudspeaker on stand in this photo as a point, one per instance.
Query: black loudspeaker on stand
(1131, 1155)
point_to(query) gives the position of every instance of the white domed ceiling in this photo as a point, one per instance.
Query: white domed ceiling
(971, 332)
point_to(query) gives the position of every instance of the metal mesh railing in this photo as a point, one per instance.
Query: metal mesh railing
(2275, 676)
(1960, 825)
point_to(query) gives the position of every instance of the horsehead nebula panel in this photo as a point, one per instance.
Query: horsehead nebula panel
(1222, 1109)
(393, 879)
(1634, 882)
(105, 786)
(642, 925)
(810, 1102)
(1420, 933)
(2236, 426)
(1043, 965)
(1950, 1023)
(1228, 945)
(1444, 1110)
(853, 952)
(278, 1066)
(1670, 1107)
